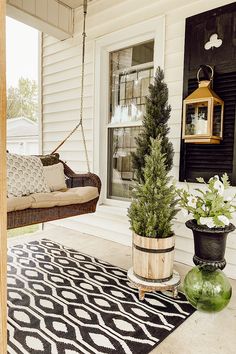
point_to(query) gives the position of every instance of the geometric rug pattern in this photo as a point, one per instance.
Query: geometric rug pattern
(61, 301)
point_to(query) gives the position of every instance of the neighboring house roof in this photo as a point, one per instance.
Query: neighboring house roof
(21, 126)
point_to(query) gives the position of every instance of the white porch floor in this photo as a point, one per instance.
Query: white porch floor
(200, 334)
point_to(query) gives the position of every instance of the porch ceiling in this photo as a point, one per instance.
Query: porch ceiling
(73, 3)
(55, 17)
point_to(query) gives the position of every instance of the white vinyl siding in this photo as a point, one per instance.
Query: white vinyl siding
(61, 85)
(61, 98)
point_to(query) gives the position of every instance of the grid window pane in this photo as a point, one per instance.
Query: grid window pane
(122, 143)
(131, 72)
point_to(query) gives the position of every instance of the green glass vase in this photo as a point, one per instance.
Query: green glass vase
(207, 289)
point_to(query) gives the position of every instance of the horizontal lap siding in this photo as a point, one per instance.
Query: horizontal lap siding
(61, 84)
(61, 99)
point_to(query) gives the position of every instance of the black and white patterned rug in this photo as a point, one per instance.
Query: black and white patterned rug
(61, 301)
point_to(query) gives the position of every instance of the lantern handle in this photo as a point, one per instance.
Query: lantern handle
(199, 70)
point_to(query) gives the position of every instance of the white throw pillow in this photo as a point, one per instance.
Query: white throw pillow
(25, 176)
(55, 178)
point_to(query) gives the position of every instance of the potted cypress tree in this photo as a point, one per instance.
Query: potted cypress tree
(155, 124)
(151, 212)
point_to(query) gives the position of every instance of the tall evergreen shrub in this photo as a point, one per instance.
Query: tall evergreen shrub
(153, 205)
(155, 124)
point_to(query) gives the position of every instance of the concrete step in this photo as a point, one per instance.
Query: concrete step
(110, 223)
(121, 211)
(112, 214)
(105, 222)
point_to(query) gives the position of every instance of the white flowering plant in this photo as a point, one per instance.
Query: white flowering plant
(208, 206)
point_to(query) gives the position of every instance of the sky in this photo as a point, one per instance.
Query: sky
(22, 52)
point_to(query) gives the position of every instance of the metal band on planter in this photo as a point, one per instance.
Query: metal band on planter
(154, 280)
(149, 250)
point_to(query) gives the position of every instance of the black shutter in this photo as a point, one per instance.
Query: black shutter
(207, 160)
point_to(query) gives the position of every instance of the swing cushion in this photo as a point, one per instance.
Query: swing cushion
(19, 203)
(55, 177)
(77, 195)
(70, 196)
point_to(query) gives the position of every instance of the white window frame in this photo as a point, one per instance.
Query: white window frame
(153, 29)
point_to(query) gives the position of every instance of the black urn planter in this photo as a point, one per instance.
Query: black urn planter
(209, 244)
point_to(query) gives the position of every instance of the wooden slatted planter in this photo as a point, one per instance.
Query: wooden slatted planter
(153, 258)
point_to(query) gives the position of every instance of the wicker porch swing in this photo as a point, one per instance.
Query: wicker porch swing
(30, 216)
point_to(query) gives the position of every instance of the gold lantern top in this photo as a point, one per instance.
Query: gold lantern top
(203, 115)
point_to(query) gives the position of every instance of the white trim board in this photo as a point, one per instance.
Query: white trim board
(132, 35)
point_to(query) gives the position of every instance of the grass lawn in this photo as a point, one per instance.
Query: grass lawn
(23, 230)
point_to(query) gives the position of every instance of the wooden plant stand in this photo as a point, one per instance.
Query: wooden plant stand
(147, 286)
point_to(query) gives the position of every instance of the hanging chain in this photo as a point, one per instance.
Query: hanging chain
(85, 5)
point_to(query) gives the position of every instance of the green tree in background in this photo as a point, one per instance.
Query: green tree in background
(22, 101)
(155, 124)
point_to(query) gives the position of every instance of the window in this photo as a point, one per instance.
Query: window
(131, 72)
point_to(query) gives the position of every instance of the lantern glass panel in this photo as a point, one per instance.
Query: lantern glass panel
(217, 116)
(196, 118)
